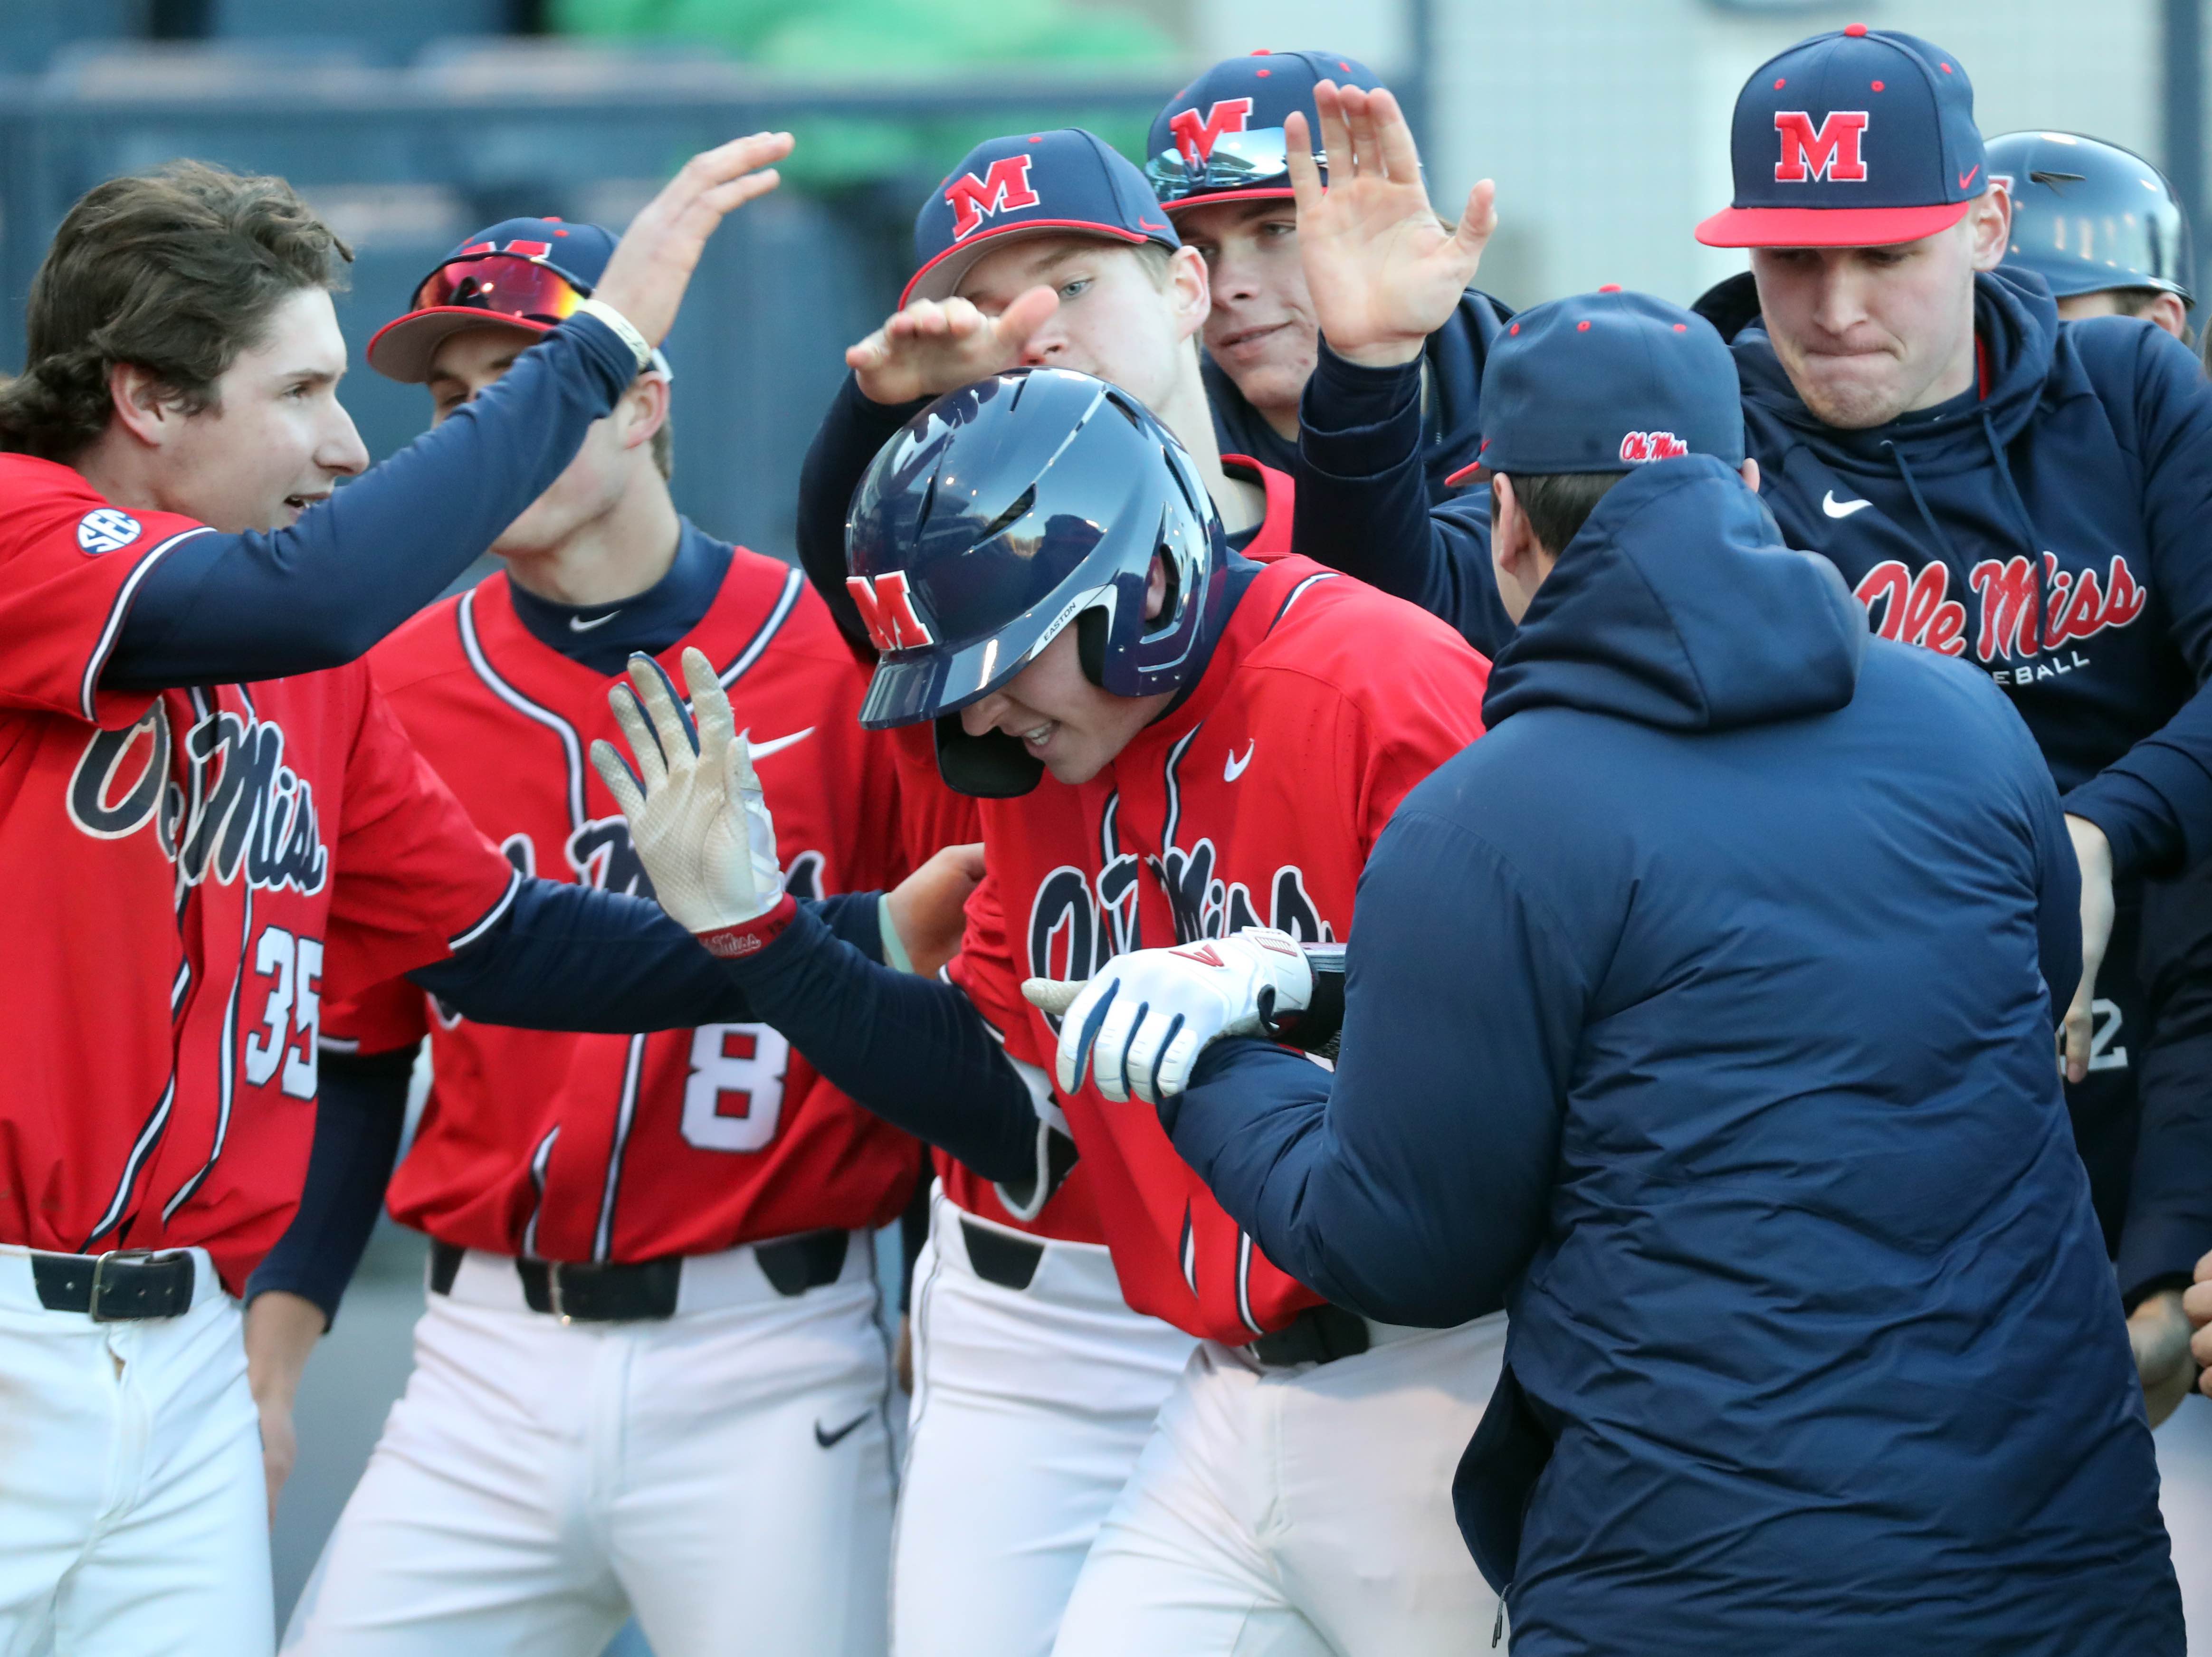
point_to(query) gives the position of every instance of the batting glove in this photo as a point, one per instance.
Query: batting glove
(697, 818)
(1140, 1024)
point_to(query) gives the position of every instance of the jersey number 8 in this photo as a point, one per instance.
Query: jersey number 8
(743, 1064)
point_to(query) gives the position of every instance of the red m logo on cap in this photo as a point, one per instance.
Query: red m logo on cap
(1832, 152)
(1195, 138)
(1006, 185)
(887, 607)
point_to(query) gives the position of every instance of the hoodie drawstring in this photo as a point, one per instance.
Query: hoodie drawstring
(1913, 487)
(2026, 523)
(2012, 490)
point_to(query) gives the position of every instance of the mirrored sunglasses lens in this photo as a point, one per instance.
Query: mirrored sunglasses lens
(510, 287)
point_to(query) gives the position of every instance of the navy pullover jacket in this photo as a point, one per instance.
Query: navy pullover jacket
(1701, 1012)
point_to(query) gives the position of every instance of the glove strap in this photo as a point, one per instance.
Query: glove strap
(750, 936)
(1316, 1026)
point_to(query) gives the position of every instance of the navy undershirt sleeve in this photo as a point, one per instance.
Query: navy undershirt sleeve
(1363, 500)
(913, 1050)
(568, 957)
(850, 435)
(361, 1109)
(223, 609)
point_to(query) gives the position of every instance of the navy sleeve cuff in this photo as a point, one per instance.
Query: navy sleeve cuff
(1357, 421)
(2146, 802)
(613, 365)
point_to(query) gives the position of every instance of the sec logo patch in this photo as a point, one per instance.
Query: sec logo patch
(106, 529)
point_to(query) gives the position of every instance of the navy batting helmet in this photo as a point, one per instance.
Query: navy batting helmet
(2088, 215)
(1000, 514)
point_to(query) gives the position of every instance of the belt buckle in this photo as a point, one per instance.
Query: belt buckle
(100, 1278)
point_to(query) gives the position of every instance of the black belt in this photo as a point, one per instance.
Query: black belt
(1320, 1334)
(115, 1288)
(594, 1291)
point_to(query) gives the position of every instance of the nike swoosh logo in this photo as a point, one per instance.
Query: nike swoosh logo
(1967, 176)
(761, 750)
(1234, 767)
(1148, 224)
(825, 1440)
(577, 624)
(1836, 508)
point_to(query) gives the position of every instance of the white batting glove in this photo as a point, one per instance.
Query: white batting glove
(697, 818)
(1141, 1023)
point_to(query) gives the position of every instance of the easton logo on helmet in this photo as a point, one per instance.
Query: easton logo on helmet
(1639, 447)
(887, 609)
(1195, 138)
(1832, 152)
(1004, 187)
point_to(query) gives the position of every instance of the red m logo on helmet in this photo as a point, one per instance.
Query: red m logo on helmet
(1006, 185)
(887, 609)
(1832, 152)
(1195, 138)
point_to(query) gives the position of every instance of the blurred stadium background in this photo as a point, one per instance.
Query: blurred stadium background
(409, 122)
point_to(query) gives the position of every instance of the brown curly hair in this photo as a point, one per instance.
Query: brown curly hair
(176, 270)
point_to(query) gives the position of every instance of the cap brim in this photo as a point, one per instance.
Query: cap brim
(1827, 226)
(940, 277)
(1271, 193)
(1475, 473)
(402, 348)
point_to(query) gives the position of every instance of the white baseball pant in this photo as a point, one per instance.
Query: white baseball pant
(131, 1497)
(1032, 1406)
(724, 1473)
(1302, 1511)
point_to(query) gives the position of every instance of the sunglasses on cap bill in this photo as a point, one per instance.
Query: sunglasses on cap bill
(1238, 161)
(508, 285)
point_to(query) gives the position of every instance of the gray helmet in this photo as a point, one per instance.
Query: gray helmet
(2087, 215)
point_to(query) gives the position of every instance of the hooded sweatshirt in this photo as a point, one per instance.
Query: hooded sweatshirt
(1701, 1011)
(1450, 406)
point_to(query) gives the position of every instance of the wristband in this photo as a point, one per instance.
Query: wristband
(750, 936)
(640, 347)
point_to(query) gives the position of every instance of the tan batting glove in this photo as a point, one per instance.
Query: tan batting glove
(697, 818)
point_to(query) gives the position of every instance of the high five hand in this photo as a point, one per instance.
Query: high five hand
(697, 818)
(936, 346)
(1385, 272)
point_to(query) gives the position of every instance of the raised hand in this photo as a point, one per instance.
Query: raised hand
(936, 346)
(1385, 272)
(697, 818)
(645, 278)
(1140, 1025)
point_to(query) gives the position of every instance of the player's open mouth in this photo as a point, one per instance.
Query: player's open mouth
(1042, 735)
(301, 502)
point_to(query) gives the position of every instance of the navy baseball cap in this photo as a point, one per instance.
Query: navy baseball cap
(519, 273)
(1220, 139)
(1858, 138)
(1605, 382)
(1035, 184)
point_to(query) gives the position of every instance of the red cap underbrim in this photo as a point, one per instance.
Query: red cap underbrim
(1273, 194)
(941, 276)
(1475, 472)
(1827, 226)
(402, 348)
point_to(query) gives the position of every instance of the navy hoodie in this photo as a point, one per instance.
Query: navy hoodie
(1701, 1012)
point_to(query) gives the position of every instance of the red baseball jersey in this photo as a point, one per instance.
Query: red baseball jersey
(1256, 803)
(1072, 1215)
(191, 876)
(685, 1142)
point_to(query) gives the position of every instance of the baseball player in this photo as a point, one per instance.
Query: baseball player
(1996, 483)
(683, 1217)
(211, 823)
(1045, 248)
(1217, 159)
(1185, 742)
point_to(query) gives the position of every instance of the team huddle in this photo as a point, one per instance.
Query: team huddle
(1740, 1183)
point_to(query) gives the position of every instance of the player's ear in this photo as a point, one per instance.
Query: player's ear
(1190, 292)
(1156, 589)
(1988, 226)
(644, 408)
(144, 406)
